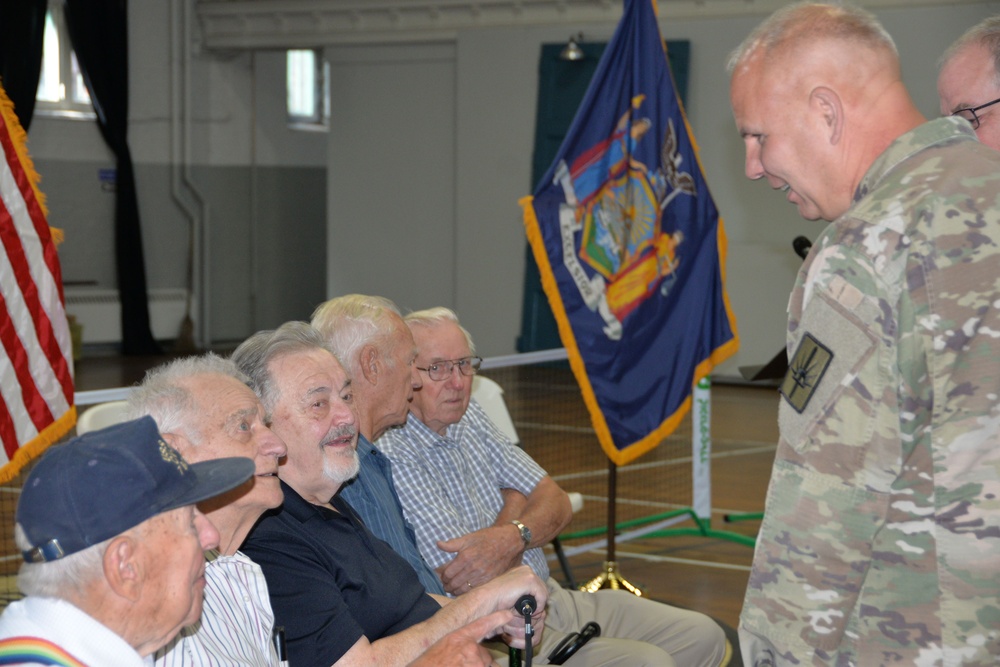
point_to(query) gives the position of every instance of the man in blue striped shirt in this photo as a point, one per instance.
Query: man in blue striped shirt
(369, 337)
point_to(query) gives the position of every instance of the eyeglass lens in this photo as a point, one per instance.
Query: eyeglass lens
(442, 370)
(971, 115)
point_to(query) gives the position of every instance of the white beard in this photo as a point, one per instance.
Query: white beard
(343, 467)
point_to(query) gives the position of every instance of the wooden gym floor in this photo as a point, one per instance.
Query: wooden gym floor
(706, 573)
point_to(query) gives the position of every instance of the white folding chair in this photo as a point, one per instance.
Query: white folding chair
(489, 395)
(100, 416)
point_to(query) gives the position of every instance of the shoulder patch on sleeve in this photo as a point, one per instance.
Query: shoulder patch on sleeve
(805, 371)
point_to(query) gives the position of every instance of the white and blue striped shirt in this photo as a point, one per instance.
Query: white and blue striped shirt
(450, 485)
(236, 620)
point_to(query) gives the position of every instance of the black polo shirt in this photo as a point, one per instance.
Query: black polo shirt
(331, 581)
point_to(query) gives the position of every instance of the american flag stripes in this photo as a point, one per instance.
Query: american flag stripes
(36, 367)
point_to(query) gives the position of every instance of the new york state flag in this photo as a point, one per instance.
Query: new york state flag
(631, 248)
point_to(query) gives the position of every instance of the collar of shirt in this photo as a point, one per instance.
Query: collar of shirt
(77, 633)
(939, 130)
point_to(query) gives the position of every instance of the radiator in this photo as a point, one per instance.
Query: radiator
(99, 312)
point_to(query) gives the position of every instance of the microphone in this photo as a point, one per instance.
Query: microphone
(526, 605)
(801, 245)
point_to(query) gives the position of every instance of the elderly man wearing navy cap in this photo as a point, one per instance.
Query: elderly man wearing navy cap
(112, 544)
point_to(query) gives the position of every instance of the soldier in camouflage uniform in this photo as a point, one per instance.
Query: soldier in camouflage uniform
(880, 543)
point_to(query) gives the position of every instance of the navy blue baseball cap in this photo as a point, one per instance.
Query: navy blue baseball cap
(105, 482)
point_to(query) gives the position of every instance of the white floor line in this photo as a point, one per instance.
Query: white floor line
(659, 505)
(660, 464)
(653, 558)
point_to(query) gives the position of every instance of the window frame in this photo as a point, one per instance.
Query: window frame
(319, 119)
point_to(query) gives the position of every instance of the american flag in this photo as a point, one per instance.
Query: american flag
(36, 367)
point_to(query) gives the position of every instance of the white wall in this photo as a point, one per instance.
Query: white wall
(391, 178)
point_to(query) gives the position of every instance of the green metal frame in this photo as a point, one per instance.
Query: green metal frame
(703, 528)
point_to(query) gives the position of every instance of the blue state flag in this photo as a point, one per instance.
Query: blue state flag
(631, 248)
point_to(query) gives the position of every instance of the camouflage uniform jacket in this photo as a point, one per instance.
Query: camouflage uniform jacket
(881, 538)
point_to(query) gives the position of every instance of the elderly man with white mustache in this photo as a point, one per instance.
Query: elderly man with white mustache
(344, 596)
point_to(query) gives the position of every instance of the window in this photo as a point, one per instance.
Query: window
(61, 90)
(307, 99)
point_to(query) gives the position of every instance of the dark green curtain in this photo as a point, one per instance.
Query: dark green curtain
(99, 32)
(22, 29)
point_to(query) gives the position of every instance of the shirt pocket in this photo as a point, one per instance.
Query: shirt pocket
(811, 560)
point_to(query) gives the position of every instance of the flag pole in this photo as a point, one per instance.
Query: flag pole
(610, 578)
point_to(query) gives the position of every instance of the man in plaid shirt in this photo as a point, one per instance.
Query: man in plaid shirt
(480, 505)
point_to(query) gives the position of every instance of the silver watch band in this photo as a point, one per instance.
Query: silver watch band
(524, 530)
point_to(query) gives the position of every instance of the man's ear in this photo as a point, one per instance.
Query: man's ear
(180, 443)
(123, 567)
(370, 363)
(827, 103)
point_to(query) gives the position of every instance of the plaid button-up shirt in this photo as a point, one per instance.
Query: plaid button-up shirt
(450, 485)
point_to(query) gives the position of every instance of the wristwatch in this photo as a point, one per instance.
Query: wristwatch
(525, 532)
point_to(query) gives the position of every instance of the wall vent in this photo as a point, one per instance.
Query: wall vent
(99, 311)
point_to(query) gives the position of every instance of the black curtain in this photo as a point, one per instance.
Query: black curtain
(99, 32)
(22, 29)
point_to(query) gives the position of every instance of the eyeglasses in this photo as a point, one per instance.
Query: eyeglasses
(970, 114)
(441, 370)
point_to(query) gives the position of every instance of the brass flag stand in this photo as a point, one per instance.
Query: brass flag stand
(610, 578)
